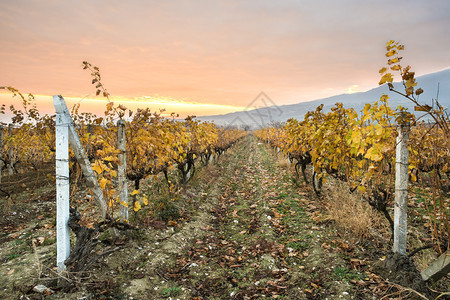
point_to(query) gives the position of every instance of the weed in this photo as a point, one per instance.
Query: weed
(170, 291)
(297, 245)
(349, 211)
(166, 210)
(18, 242)
(11, 256)
(342, 273)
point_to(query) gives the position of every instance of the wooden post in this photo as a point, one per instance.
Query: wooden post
(401, 189)
(62, 191)
(74, 139)
(1, 151)
(123, 183)
(438, 268)
(10, 153)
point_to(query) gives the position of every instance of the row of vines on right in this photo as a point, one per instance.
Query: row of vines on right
(359, 148)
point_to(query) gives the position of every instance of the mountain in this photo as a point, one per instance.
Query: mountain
(263, 111)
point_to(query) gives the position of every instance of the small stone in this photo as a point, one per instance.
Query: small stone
(42, 289)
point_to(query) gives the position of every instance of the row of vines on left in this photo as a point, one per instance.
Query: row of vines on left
(28, 141)
(154, 145)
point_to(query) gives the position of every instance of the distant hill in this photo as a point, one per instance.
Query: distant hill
(263, 111)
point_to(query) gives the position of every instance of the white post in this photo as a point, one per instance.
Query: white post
(401, 190)
(123, 184)
(1, 148)
(74, 139)
(211, 158)
(62, 191)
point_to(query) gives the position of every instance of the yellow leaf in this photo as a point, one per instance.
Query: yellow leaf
(145, 200)
(378, 129)
(137, 206)
(362, 189)
(135, 192)
(97, 169)
(103, 183)
(393, 61)
(390, 53)
(172, 223)
(386, 78)
(410, 83)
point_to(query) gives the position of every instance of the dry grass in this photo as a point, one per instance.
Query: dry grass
(284, 162)
(349, 211)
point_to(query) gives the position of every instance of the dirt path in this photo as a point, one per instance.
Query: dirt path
(251, 239)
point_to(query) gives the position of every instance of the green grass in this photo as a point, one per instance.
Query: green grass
(170, 291)
(343, 273)
(18, 242)
(12, 256)
(298, 245)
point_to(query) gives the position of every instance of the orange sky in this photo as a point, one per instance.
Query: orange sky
(220, 54)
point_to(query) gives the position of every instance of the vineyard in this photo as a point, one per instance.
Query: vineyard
(169, 208)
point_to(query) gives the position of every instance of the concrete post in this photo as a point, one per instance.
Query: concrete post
(62, 191)
(401, 190)
(122, 176)
(75, 143)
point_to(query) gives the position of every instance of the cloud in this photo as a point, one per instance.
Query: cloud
(224, 52)
(353, 89)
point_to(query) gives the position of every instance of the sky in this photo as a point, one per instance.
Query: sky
(208, 57)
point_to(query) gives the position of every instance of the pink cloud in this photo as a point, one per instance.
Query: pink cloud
(222, 52)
